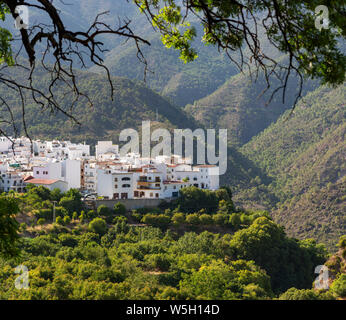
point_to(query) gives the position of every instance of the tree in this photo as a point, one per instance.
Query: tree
(9, 227)
(178, 218)
(119, 209)
(305, 294)
(192, 218)
(219, 281)
(72, 201)
(98, 226)
(233, 26)
(206, 219)
(103, 210)
(288, 262)
(221, 219)
(41, 221)
(193, 199)
(339, 286)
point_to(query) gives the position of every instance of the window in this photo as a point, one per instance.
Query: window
(156, 195)
(136, 194)
(126, 179)
(126, 185)
(116, 186)
(115, 179)
(151, 195)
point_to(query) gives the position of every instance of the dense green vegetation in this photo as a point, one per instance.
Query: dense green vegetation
(304, 156)
(239, 106)
(102, 254)
(291, 165)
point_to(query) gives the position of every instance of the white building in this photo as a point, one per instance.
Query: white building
(106, 147)
(51, 184)
(66, 165)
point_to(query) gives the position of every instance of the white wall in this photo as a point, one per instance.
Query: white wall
(54, 170)
(71, 170)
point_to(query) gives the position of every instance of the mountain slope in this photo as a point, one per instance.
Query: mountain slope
(133, 103)
(239, 106)
(304, 154)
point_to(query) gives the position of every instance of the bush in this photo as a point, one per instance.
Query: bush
(159, 261)
(91, 214)
(178, 218)
(305, 294)
(220, 219)
(119, 219)
(71, 203)
(119, 209)
(137, 216)
(160, 220)
(206, 219)
(59, 220)
(75, 215)
(23, 227)
(68, 240)
(46, 214)
(102, 210)
(192, 219)
(67, 220)
(342, 242)
(82, 217)
(98, 226)
(193, 199)
(339, 286)
(234, 220)
(41, 221)
(60, 212)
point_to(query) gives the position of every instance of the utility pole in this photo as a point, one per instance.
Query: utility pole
(54, 203)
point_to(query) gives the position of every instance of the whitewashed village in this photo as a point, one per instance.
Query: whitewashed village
(106, 175)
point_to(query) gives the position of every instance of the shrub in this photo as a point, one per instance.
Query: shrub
(220, 219)
(59, 220)
(159, 261)
(23, 227)
(67, 220)
(41, 221)
(192, 218)
(137, 216)
(46, 214)
(305, 294)
(82, 217)
(98, 226)
(342, 242)
(119, 219)
(60, 212)
(339, 286)
(68, 240)
(178, 218)
(75, 215)
(91, 214)
(160, 220)
(205, 219)
(119, 208)
(193, 199)
(102, 210)
(234, 220)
